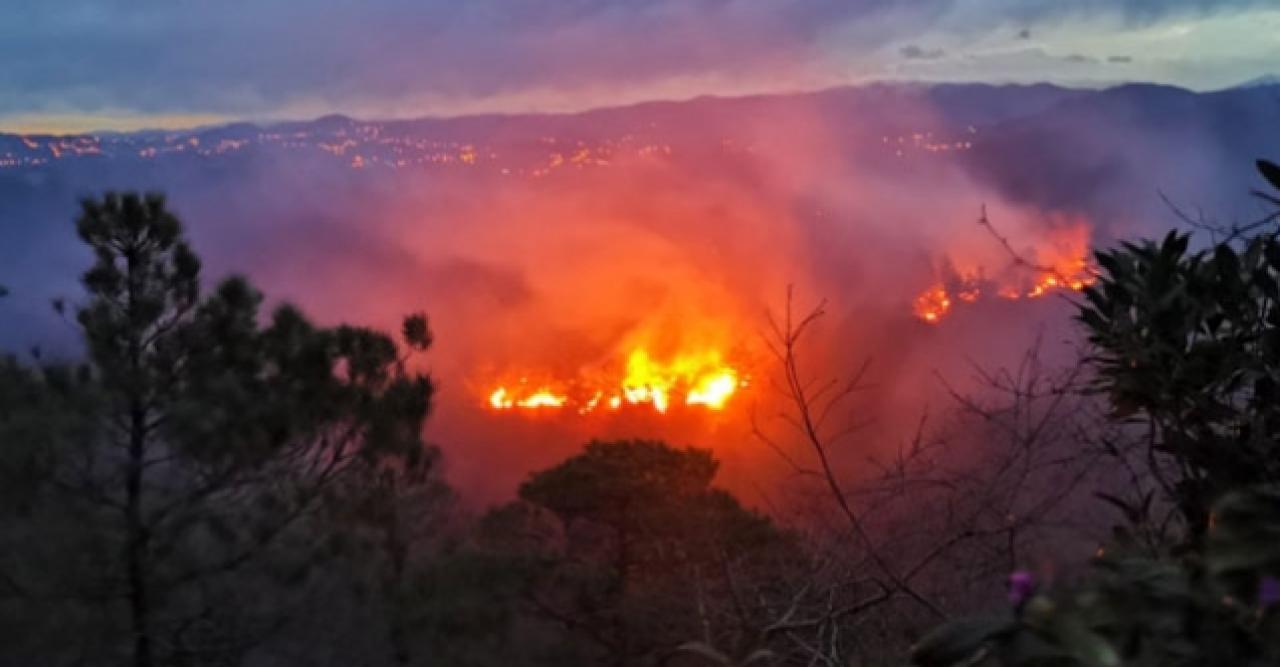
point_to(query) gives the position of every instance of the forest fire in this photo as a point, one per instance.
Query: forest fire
(702, 380)
(1060, 265)
(933, 304)
(681, 360)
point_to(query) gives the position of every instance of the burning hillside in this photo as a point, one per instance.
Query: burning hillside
(702, 377)
(1058, 263)
(696, 380)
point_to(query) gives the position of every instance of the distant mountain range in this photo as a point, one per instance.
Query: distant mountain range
(944, 112)
(1042, 144)
(1265, 80)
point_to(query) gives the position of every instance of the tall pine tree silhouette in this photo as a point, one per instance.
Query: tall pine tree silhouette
(216, 434)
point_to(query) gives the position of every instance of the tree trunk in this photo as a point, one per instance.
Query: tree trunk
(136, 544)
(397, 553)
(622, 632)
(136, 538)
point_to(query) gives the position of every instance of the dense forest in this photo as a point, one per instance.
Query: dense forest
(212, 484)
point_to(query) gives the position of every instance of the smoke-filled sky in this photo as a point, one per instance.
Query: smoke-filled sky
(72, 65)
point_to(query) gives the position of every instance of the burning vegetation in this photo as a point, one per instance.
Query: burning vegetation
(1059, 264)
(699, 376)
(697, 380)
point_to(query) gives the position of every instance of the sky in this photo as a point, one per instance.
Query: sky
(78, 65)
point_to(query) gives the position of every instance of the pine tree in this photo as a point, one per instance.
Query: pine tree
(215, 437)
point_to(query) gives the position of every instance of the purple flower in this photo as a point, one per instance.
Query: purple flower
(1021, 585)
(1268, 591)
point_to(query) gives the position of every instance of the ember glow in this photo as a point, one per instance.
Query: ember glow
(502, 398)
(702, 380)
(934, 303)
(1059, 265)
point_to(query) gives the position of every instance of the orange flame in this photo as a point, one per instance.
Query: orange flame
(503, 399)
(933, 304)
(1058, 265)
(714, 391)
(703, 380)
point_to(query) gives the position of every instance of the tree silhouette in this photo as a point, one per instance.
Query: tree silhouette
(204, 440)
(635, 553)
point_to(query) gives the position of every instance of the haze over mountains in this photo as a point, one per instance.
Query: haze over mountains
(535, 238)
(976, 124)
(943, 109)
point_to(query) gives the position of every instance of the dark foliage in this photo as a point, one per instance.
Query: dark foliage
(1187, 346)
(166, 487)
(632, 552)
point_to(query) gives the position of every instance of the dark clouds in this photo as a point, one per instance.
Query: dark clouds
(1133, 12)
(916, 52)
(247, 57)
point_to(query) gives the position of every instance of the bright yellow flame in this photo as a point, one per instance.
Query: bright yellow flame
(504, 399)
(714, 391)
(543, 398)
(499, 399)
(647, 381)
(706, 380)
(690, 379)
(646, 394)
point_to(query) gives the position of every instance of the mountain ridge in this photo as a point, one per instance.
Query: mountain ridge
(943, 89)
